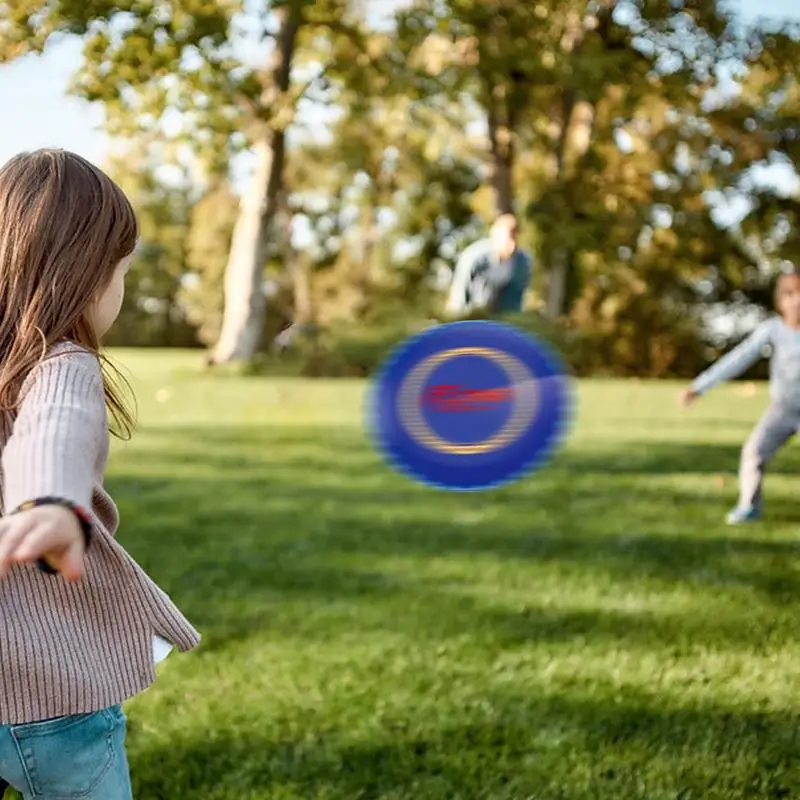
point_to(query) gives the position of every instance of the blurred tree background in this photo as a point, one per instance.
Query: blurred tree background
(317, 167)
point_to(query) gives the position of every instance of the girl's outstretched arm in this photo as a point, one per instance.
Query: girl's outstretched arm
(58, 434)
(737, 361)
(51, 457)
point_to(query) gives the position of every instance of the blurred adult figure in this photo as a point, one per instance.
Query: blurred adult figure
(492, 274)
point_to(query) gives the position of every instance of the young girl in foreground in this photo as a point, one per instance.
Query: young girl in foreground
(782, 419)
(81, 625)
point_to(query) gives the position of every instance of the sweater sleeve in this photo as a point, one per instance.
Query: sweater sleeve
(58, 433)
(737, 361)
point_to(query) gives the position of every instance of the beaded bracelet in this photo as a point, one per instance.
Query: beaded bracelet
(82, 515)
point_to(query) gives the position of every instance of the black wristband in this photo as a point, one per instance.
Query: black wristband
(81, 514)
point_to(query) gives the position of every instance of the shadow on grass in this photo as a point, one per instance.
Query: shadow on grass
(512, 746)
(461, 618)
(304, 517)
(330, 480)
(317, 447)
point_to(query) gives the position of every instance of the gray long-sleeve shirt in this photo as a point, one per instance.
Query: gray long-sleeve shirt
(483, 281)
(784, 343)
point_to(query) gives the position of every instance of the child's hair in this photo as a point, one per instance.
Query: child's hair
(787, 270)
(64, 228)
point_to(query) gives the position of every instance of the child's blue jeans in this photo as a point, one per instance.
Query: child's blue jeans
(68, 757)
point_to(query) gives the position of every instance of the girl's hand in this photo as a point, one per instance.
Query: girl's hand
(687, 397)
(50, 532)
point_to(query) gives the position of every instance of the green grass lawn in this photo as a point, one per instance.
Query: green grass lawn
(594, 631)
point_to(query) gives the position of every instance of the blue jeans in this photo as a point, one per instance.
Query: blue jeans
(68, 757)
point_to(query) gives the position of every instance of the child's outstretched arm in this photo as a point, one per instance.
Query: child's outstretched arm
(733, 364)
(457, 296)
(462, 275)
(49, 464)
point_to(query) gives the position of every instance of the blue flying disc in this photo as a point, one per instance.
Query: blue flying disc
(469, 406)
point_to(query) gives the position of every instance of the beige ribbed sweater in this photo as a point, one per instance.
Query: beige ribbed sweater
(71, 648)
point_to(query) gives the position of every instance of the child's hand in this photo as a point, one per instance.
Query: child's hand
(50, 532)
(687, 397)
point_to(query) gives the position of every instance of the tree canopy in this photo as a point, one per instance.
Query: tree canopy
(624, 135)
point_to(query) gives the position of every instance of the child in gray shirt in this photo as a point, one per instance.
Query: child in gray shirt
(781, 334)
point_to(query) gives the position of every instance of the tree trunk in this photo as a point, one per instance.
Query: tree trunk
(168, 323)
(301, 288)
(245, 304)
(557, 285)
(370, 237)
(575, 137)
(501, 141)
(577, 122)
(297, 270)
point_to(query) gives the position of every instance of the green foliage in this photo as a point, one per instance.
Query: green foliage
(354, 349)
(758, 128)
(152, 314)
(360, 348)
(629, 331)
(601, 123)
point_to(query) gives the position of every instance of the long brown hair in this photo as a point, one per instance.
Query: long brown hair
(64, 228)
